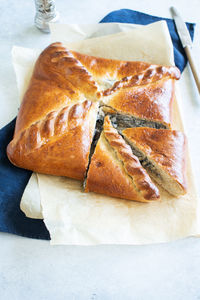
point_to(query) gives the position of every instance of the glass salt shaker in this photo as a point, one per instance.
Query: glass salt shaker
(45, 12)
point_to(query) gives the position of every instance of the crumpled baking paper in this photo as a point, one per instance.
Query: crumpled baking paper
(75, 217)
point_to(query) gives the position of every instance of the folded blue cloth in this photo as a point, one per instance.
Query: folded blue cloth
(13, 180)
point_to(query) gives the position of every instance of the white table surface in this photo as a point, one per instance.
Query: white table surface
(32, 269)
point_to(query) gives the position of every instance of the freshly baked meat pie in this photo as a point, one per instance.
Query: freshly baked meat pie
(61, 118)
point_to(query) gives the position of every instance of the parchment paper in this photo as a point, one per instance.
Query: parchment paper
(151, 43)
(74, 217)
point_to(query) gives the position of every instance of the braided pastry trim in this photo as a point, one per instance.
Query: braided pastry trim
(54, 125)
(60, 56)
(151, 75)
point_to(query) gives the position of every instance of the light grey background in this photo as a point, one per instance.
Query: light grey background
(32, 269)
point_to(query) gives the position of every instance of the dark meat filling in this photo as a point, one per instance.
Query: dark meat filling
(149, 166)
(97, 133)
(144, 160)
(98, 130)
(124, 121)
(121, 122)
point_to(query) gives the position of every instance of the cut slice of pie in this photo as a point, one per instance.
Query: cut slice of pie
(162, 153)
(58, 144)
(116, 172)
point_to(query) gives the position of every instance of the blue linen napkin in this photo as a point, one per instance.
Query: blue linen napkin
(13, 180)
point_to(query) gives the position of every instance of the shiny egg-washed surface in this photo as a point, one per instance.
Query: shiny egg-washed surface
(164, 147)
(59, 144)
(62, 77)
